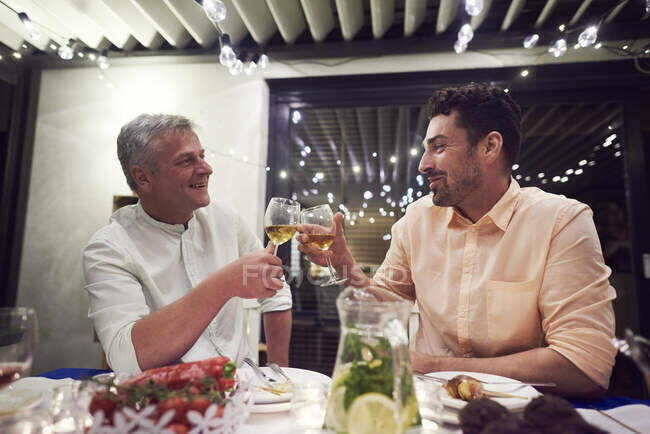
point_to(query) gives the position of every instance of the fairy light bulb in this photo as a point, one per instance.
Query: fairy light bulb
(588, 36)
(102, 61)
(227, 56)
(559, 48)
(65, 52)
(250, 68)
(473, 7)
(236, 67)
(263, 61)
(460, 47)
(530, 41)
(30, 27)
(215, 10)
(465, 34)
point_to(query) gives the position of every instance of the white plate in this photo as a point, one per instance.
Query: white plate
(513, 404)
(267, 401)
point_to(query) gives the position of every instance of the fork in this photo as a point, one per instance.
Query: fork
(275, 368)
(496, 383)
(259, 373)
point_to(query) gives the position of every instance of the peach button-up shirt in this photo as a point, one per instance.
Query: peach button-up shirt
(529, 273)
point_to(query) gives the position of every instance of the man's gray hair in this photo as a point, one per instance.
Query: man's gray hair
(134, 143)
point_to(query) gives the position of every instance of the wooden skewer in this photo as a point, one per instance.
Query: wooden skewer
(502, 395)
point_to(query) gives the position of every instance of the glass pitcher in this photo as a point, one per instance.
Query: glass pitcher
(372, 388)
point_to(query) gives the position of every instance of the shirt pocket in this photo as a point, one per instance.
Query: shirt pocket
(512, 315)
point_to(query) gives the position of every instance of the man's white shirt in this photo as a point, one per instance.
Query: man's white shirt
(137, 265)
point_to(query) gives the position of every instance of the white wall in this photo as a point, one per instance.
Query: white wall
(75, 173)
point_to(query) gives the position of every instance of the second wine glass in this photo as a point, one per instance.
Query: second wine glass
(280, 220)
(18, 340)
(321, 233)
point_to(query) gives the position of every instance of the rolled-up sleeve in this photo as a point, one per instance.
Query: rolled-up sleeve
(576, 298)
(116, 302)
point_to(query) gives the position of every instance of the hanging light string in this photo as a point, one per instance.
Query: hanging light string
(237, 61)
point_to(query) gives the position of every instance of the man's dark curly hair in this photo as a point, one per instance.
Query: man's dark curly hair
(481, 108)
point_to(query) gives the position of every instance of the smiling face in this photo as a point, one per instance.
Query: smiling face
(179, 184)
(450, 163)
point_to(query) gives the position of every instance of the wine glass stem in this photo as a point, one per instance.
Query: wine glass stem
(332, 271)
(275, 251)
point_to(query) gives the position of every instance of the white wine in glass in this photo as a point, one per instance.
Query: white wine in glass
(280, 220)
(321, 233)
(18, 340)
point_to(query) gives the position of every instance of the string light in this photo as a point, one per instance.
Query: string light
(102, 60)
(65, 51)
(263, 61)
(460, 47)
(215, 10)
(250, 67)
(559, 48)
(227, 56)
(33, 32)
(530, 41)
(466, 33)
(588, 36)
(474, 7)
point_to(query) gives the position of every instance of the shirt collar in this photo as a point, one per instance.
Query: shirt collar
(175, 228)
(501, 212)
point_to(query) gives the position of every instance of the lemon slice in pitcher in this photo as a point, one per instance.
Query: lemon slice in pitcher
(372, 413)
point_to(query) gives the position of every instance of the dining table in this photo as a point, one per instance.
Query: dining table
(617, 414)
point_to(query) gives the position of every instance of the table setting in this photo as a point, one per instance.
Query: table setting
(365, 394)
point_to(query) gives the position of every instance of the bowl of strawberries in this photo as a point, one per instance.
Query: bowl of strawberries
(195, 397)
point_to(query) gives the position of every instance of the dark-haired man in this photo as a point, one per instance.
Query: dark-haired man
(508, 280)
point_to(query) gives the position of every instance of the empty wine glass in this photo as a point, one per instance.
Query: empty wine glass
(321, 233)
(18, 339)
(280, 220)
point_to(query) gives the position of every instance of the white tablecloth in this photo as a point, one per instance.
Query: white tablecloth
(636, 416)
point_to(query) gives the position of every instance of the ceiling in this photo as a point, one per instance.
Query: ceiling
(305, 28)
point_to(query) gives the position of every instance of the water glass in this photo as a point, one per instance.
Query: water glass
(428, 395)
(308, 405)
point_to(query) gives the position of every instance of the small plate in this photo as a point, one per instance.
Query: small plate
(512, 404)
(16, 400)
(296, 375)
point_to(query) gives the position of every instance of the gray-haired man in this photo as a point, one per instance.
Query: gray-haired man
(167, 276)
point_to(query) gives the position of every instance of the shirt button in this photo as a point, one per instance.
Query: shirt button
(461, 314)
(467, 270)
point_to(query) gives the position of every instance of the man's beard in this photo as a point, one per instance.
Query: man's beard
(467, 181)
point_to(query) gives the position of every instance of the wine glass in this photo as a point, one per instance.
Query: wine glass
(18, 339)
(321, 233)
(280, 220)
